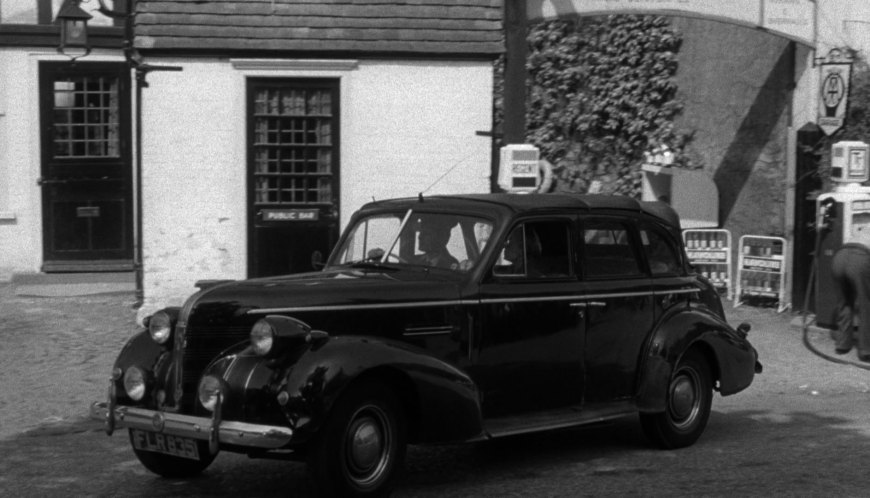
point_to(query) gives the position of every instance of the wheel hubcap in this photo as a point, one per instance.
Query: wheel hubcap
(685, 402)
(368, 445)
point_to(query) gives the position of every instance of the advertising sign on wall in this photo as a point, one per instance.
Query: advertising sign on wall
(833, 95)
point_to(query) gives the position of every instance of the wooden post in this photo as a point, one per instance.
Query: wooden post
(516, 49)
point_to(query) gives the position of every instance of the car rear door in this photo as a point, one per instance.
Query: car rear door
(618, 308)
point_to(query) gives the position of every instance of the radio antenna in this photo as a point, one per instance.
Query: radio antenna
(444, 174)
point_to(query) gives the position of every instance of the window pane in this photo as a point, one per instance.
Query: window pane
(607, 250)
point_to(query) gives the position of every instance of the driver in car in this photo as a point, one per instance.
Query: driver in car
(432, 240)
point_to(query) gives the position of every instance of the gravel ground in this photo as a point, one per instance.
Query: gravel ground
(57, 354)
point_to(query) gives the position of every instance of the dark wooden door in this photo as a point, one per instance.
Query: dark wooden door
(86, 175)
(293, 186)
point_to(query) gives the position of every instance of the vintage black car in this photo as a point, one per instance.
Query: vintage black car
(436, 319)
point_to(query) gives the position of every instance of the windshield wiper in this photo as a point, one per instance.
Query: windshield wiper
(396, 239)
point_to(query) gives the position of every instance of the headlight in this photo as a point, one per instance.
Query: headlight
(273, 335)
(262, 337)
(134, 383)
(160, 327)
(209, 388)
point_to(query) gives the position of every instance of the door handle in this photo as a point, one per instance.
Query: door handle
(47, 181)
(589, 304)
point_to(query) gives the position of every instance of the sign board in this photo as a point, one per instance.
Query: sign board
(793, 19)
(519, 168)
(709, 251)
(833, 95)
(291, 214)
(761, 271)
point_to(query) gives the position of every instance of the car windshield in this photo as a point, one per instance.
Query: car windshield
(436, 240)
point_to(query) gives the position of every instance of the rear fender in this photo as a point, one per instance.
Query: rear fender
(731, 358)
(441, 401)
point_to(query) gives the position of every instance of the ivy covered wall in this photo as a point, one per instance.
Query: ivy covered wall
(602, 91)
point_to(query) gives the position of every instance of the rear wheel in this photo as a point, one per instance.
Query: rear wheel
(689, 397)
(173, 466)
(361, 448)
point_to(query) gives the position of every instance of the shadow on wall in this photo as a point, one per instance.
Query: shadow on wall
(753, 135)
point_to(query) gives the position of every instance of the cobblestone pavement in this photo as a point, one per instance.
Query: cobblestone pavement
(56, 354)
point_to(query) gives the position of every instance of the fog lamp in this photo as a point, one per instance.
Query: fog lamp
(134, 383)
(210, 387)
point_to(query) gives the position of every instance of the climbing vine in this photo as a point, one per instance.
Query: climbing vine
(600, 94)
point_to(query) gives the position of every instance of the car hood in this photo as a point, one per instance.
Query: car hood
(325, 291)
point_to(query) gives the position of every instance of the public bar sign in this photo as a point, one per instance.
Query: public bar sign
(793, 19)
(291, 215)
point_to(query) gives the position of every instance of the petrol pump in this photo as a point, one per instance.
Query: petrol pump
(838, 214)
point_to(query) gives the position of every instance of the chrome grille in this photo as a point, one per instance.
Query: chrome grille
(202, 344)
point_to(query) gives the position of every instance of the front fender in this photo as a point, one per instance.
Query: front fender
(441, 401)
(731, 358)
(142, 351)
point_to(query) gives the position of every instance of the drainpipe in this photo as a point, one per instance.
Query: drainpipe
(137, 168)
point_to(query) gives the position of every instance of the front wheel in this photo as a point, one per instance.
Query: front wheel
(689, 396)
(361, 448)
(173, 466)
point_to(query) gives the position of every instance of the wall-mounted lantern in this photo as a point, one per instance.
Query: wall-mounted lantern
(73, 29)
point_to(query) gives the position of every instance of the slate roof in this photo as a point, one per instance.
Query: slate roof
(470, 28)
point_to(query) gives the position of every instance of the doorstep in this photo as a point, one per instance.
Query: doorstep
(73, 284)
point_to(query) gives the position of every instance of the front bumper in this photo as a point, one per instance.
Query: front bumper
(210, 429)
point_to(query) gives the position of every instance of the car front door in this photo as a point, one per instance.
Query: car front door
(530, 345)
(618, 310)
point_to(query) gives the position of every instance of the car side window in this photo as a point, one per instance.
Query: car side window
(536, 249)
(660, 252)
(607, 250)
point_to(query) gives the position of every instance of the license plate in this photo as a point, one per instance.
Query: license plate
(164, 443)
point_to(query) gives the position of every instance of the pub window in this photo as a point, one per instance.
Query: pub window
(293, 145)
(86, 117)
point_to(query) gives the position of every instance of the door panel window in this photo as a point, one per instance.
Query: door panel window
(86, 117)
(539, 249)
(608, 251)
(293, 145)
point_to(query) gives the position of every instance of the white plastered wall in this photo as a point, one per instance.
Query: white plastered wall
(403, 126)
(20, 156)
